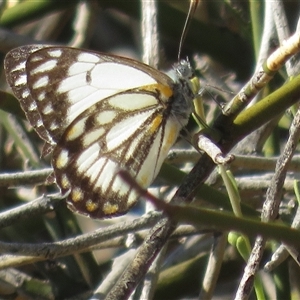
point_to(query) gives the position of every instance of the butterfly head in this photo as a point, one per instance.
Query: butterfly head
(183, 69)
(184, 72)
(186, 88)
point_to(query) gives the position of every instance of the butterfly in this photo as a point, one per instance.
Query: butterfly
(100, 113)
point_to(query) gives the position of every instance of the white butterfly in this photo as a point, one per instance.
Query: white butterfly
(100, 113)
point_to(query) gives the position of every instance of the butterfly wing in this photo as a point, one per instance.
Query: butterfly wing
(56, 84)
(16, 75)
(97, 145)
(102, 113)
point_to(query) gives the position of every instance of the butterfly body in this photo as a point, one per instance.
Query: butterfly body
(101, 113)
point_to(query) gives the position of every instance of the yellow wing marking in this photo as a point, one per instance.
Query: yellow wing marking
(165, 90)
(91, 206)
(155, 123)
(109, 209)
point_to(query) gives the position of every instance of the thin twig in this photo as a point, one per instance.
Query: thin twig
(25, 178)
(266, 72)
(270, 208)
(283, 251)
(150, 38)
(10, 260)
(119, 264)
(213, 267)
(44, 204)
(82, 24)
(68, 246)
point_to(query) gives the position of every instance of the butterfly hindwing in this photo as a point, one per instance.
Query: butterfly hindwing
(121, 140)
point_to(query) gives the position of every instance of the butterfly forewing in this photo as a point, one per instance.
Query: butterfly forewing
(103, 113)
(16, 74)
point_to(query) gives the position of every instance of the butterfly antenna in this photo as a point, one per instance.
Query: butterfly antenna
(191, 12)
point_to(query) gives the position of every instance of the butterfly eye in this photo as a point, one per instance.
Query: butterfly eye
(101, 113)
